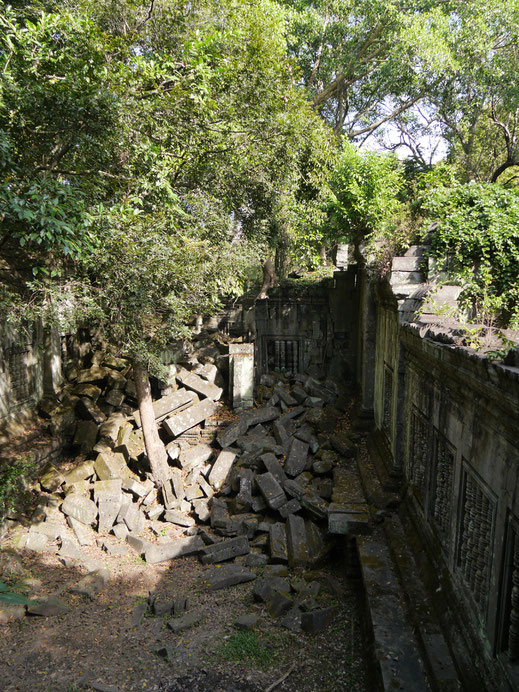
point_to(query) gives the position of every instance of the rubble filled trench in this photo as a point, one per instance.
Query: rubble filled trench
(236, 576)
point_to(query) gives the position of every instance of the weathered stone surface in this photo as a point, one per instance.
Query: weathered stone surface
(298, 553)
(109, 490)
(293, 413)
(168, 551)
(230, 434)
(180, 422)
(110, 465)
(195, 456)
(193, 492)
(47, 606)
(278, 603)
(140, 545)
(244, 497)
(92, 584)
(109, 430)
(256, 560)
(290, 507)
(314, 505)
(51, 478)
(348, 519)
(36, 542)
(292, 619)
(82, 532)
(225, 550)
(294, 489)
(285, 396)
(274, 467)
(200, 386)
(69, 549)
(129, 513)
(80, 507)
(271, 490)
(120, 531)
(241, 375)
(51, 529)
(133, 446)
(86, 435)
(281, 435)
(11, 613)
(317, 620)
(81, 472)
(179, 624)
(94, 374)
(175, 517)
(227, 575)
(296, 461)
(202, 510)
(134, 487)
(108, 512)
(261, 415)
(219, 513)
(155, 512)
(221, 468)
(278, 543)
(246, 622)
(179, 399)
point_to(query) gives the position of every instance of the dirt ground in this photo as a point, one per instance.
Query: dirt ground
(94, 643)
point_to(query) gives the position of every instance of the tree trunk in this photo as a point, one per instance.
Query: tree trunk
(322, 255)
(269, 279)
(155, 450)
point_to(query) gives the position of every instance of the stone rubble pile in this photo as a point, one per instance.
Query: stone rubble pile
(272, 488)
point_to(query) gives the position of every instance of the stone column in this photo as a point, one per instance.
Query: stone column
(241, 375)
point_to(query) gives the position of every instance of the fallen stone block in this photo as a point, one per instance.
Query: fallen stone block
(256, 560)
(129, 513)
(317, 620)
(219, 514)
(120, 531)
(278, 603)
(281, 435)
(227, 575)
(352, 519)
(180, 422)
(221, 468)
(108, 513)
(51, 529)
(86, 435)
(69, 549)
(51, 478)
(109, 465)
(140, 545)
(230, 434)
(179, 624)
(296, 461)
(285, 396)
(271, 490)
(298, 553)
(47, 606)
(179, 399)
(106, 491)
(290, 507)
(89, 410)
(190, 458)
(246, 622)
(261, 415)
(202, 510)
(278, 543)
(36, 542)
(200, 386)
(293, 413)
(80, 508)
(80, 473)
(274, 467)
(82, 532)
(178, 518)
(292, 619)
(109, 430)
(225, 550)
(167, 551)
(92, 584)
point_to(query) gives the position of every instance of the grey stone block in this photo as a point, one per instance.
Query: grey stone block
(80, 507)
(180, 422)
(167, 404)
(296, 461)
(221, 468)
(200, 386)
(179, 624)
(290, 507)
(82, 532)
(317, 620)
(178, 518)
(225, 550)
(195, 456)
(229, 436)
(274, 467)
(271, 490)
(109, 465)
(173, 549)
(298, 553)
(227, 575)
(278, 543)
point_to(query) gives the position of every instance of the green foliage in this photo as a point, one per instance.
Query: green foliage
(11, 597)
(365, 203)
(13, 473)
(477, 239)
(245, 647)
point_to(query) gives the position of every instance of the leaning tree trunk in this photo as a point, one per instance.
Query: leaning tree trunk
(155, 450)
(269, 279)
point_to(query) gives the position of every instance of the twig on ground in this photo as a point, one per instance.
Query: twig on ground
(281, 679)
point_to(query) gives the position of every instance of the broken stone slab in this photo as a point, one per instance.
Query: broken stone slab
(138, 614)
(290, 507)
(47, 606)
(274, 467)
(81, 472)
(108, 513)
(193, 492)
(109, 490)
(109, 465)
(202, 510)
(225, 550)
(92, 584)
(221, 468)
(36, 542)
(133, 446)
(155, 512)
(316, 389)
(254, 444)
(298, 553)
(227, 575)
(230, 434)
(285, 396)
(256, 560)
(297, 457)
(178, 518)
(294, 489)
(317, 620)
(51, 529)
(180, 422)
(200, 386)
(134, 487)
(246, 623)
(278, 603)
(109, 430)
(293, 413)
(281, 435)
(167, 551)
(51, 478)
(82, 532)
(162, 407)
(185, 622)
(129, 514)
(219, 513)
(191, 458)
(314, 505)
(292, 619)
(69, 549)
(271, 490)
(351, 519)
(244, 497)
(80, 508)
(89, 410)
(264, 585)
(278, 543)
(261, 415)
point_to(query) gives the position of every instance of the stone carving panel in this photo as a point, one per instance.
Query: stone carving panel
(19, 373)
(444, 458)
(418, 453)
(283, 354)
(476, 538)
